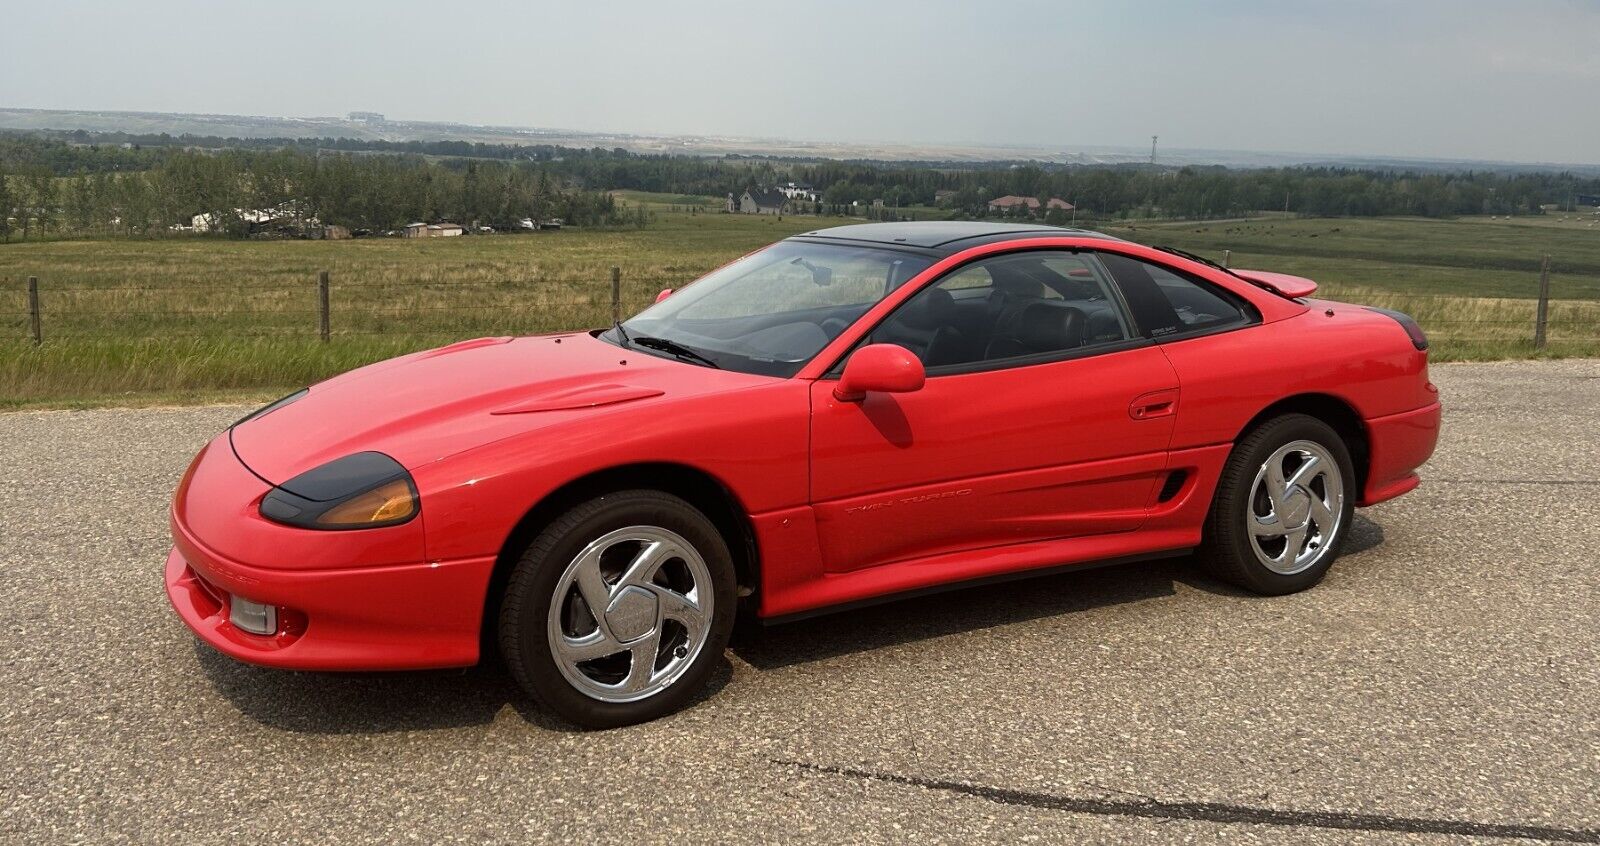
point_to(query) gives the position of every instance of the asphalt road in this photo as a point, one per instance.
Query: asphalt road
(1442, 686)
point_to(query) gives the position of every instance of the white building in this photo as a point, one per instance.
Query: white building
(798, 191)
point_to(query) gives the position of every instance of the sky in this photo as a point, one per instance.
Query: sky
(1514, 80)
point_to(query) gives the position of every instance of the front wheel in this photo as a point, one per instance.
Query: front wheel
(1282, 507)
(619, 610)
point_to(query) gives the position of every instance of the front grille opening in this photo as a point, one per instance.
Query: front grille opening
(1174, 483)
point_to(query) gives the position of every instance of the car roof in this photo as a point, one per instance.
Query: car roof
(946, 236)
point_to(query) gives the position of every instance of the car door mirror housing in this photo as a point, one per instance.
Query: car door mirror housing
(888, 368)
(665, 292)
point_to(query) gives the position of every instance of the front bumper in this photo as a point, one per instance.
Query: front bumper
(345, 603)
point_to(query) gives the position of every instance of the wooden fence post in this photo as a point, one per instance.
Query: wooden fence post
(616, 294)
(1227, 255)
(322, 304)
(33, 311)
(1543, 318)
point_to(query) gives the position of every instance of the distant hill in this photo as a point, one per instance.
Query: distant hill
(367, 127)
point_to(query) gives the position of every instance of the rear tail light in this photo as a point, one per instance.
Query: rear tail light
(1413, 331)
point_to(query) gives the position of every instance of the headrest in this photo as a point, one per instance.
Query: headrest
(1043, 327)
(1008, 280)
(931, 309)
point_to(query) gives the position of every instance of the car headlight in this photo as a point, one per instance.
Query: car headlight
(367, 490)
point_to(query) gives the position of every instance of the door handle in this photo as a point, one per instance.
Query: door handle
(1163, 403)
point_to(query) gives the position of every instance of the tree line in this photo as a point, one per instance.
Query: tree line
(371, 192)
(137, 184)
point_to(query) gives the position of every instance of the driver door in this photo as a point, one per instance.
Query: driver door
(1043, 417)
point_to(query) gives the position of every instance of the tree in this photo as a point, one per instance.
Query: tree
(38, 199)
(6, 204)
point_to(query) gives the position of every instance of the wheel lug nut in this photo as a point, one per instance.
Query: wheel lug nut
(680, 651)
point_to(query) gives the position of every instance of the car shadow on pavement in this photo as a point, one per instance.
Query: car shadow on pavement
(384, 702)
(378, 703)
(980, 607)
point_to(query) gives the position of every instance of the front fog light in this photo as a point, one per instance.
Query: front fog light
(253, 617)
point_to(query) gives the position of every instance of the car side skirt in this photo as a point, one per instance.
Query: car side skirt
(1036, 572)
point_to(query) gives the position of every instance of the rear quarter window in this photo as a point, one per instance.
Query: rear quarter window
(1170, 303)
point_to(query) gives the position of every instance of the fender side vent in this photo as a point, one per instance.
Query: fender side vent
(1174, 483)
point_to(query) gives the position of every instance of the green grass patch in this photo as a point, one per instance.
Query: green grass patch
(202, 320)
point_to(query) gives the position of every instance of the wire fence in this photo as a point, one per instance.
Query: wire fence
(324, 308)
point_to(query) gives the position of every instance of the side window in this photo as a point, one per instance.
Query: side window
(1166, 302)
(1009, 307)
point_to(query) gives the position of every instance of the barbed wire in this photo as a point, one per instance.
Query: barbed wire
(335, 285)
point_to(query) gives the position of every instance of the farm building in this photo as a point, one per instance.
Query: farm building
(798, 191)
(1012, 201)
(758, 201)
(253, 220)
(433, 230)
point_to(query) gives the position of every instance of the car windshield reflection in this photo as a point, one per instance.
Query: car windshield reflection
(770, 312)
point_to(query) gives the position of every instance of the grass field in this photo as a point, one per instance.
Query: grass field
(195, 319)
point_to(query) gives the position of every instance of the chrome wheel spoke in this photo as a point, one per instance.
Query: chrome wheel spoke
(592, 585)
(642, 665)
(594, 645)
(1277, 489)
(1303, 474)
(1322, 513)
(648, 561)
(1262, 527)
(1294, 542)
(683, 610)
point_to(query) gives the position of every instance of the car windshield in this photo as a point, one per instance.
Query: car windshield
(771, 311)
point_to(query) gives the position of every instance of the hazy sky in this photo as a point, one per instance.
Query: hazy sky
(1514, 79)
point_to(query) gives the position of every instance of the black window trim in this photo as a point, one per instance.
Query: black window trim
(1139, 339)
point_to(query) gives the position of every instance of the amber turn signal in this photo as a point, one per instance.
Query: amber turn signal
(386, 504)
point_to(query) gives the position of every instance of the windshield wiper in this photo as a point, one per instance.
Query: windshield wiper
(621, 332)
(674, 348)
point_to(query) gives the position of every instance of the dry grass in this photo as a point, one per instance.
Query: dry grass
(194, 318)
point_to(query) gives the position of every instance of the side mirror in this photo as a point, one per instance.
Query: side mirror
(879, 367)
(665, 292)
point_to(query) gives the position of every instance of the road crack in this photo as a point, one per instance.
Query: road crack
(1214, 812)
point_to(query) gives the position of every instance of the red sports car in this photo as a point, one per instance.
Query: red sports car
(846, 416)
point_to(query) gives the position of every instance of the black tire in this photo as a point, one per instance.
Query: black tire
(525, 610)
(1226, 549)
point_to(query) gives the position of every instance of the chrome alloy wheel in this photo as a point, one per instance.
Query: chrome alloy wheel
(1296, 507)
(630, 614)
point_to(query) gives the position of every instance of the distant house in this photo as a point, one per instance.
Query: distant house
(253, 220)
(943, 195)
(1011, 202)
(433, 230)
(758, 201)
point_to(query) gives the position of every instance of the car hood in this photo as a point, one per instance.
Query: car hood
(429, 405)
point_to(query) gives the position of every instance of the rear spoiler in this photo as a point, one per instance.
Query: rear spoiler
(1293, 287)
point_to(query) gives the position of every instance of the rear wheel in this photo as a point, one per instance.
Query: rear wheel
(619, 610)
(1282, 507)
